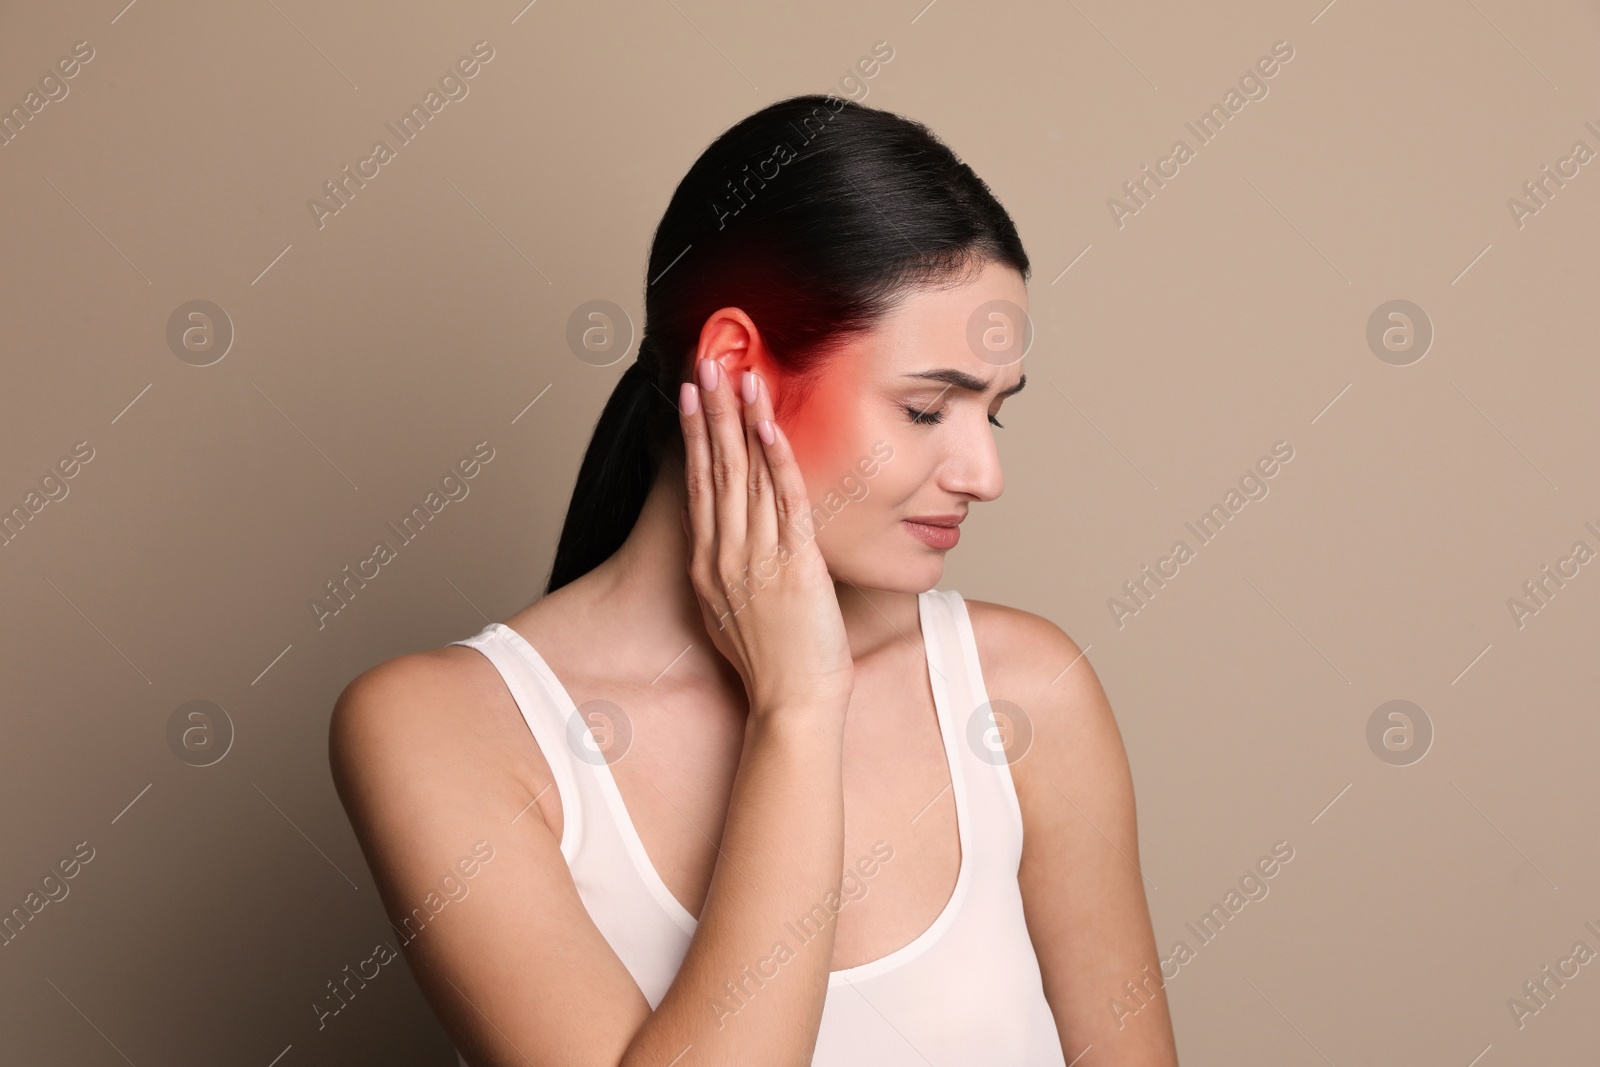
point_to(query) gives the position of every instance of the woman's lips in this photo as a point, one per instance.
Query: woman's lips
(934, 536)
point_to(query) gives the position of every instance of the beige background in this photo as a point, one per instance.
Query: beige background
(1228, 314)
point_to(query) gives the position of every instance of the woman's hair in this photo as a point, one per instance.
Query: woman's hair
(815, 215)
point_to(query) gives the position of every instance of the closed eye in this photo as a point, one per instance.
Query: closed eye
(933, 418)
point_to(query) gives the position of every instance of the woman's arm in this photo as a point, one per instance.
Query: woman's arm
(1082, 890)
(517, 969)
(513, 966)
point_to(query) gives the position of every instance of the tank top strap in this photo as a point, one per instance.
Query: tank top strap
(979, 724)
(539, 697)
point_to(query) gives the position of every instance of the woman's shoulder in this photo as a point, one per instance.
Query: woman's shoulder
(405, 689)
(434, 715)
(435, 691)
(1036, 667)
(1018, 646)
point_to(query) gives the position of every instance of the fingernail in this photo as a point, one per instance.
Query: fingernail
(688, 398)
(747, 386)
(708, 374)
(764, 429)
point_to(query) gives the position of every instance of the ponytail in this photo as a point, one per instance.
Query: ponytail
(617, 471)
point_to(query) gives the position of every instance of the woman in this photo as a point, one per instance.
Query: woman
(739, 775)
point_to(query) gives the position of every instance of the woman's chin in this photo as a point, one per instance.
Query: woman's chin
(899, 572)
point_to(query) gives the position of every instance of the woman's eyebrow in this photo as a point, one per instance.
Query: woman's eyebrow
(963, 380)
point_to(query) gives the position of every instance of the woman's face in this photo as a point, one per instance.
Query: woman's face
(897, 428)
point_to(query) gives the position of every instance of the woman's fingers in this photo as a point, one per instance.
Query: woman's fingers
(745, 492)
(762, 521)
(729, 455)
(791, 506)
(701, 494)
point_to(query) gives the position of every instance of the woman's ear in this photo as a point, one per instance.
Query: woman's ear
(726, 336)
(732, 338)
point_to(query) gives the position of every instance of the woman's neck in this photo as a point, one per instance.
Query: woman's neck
(648, 579)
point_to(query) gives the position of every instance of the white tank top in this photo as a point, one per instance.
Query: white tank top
(966, 991)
